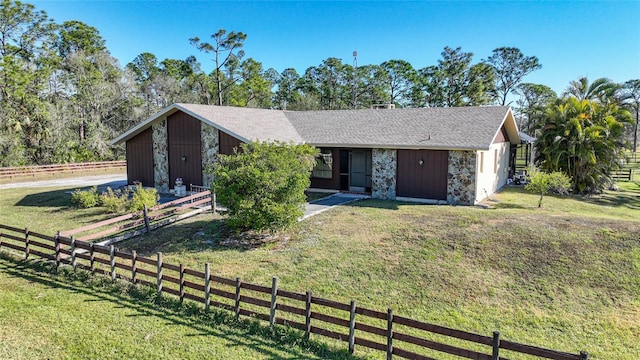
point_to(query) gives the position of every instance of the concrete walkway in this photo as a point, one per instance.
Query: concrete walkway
(321, 205)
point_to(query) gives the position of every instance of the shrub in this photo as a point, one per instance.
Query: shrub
(542, 183)
(263, 185)
(85, 198)
(142, 197)
(114, 201)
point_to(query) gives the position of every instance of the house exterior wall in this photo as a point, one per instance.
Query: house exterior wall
(227, 143)
(210, 141)
(160, 156)
(461, 181)
(492, 170)
(383, 174)
(185, 149)
(140, 158)
(422, 174)
(334, 182)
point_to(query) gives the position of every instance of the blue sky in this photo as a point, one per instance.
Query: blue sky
(571, 39)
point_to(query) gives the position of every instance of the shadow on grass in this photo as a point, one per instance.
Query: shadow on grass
(626, 199)
(145, 301)
(54, 198)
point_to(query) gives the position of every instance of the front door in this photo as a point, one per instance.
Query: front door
(360, 170)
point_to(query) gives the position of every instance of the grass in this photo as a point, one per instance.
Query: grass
(74, 315)
(566, 276)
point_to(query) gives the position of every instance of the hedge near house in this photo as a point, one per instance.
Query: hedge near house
(262, 186)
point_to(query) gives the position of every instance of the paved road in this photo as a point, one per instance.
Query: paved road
(98, 180)
(118, 180)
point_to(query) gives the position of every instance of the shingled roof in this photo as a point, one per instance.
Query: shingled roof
(425, 128)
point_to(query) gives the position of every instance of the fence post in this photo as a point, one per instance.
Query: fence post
(146, 217)
(181, 283)
(389, 334)
(584, 355)
(0, 241)
(274, 294)
(307, 315)
(213, 202)
(237, 305)
(57, 244)
(134, 269)
(92, 258)
(496, 346)
(73, 252)
(159, 273)
(26, 243)
(207, 286)
(352, 327)
(112, 262)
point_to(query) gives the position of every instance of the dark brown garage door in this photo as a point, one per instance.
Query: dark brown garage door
(422, 174)
(185, 156)
(140, 158)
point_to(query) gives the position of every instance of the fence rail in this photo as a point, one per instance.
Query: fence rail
(143, 221)
(626, 174)
(382, 331)
(9, 172)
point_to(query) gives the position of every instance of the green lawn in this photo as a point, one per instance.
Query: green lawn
(566, 276)
(71, 316)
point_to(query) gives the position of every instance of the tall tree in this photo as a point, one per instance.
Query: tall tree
(372, 87)
(583, 139)
(254, 88)
(27, 38)
(288, 92)
(399, 77)
(534, 98)
(226, 48)
(454, 81)
(632, 89)
(510, 67)
(332, 82)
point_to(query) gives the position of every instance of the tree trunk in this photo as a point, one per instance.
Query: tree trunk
(635, 131)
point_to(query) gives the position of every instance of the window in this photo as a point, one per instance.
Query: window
(481, 161)
(324, 165)
(495, 161)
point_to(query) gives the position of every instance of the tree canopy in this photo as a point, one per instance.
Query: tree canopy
(63, 95)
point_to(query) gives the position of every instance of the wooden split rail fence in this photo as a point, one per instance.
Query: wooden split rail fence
(141, 222)
(9, 172)
(626, 174)
(357, 326)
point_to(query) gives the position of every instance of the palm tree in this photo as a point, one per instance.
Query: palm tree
(582, 139)
(602, 90)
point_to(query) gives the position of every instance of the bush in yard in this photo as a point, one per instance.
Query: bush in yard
(543, 183)
(85, 198)
(114, 201)
(263, 185)
(142, 197)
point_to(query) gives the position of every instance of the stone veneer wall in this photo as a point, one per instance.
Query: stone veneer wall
(160, 156)
(461, 181)
(210, 141)
(383, 174)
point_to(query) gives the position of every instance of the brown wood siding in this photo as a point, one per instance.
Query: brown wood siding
(140, 158)
(183, 132)
(334, 182)
(426, 181)
(502, 136)
(228, 143)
